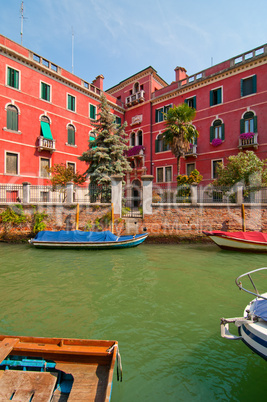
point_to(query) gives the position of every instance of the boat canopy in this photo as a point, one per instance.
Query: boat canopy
(249, 236)
(75, 236)
(259, 308)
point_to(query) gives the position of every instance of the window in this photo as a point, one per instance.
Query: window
(92, 112)
(45, 128)
(140, 137)
(192, 102)
(217, 130)
(136, 87)
(215, 96)
(71, 135)
(71, 165)
(164, 174)
(71, 103)
(12, 118)
(249, 86)
(189, 168)
(45, 91)
(249, 123)
(118, 121)
(12, 166)
(132, 140)
(44, 165)
(12, 78)
(214, 168)
(160, 144)
(160, 113)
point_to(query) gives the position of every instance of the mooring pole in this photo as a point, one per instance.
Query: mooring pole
(112, 218)
(243, 217)
(77, 216)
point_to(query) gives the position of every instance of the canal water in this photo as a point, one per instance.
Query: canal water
(162, 303)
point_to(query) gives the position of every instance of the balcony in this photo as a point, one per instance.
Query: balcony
(192, 151)
(249, 142)
(135, 98)
(45, 144)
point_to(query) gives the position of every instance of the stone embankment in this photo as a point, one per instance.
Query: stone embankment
(168, 223)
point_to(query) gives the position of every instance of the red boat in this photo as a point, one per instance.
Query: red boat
(240, 241)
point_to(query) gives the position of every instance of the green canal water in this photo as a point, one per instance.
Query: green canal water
(162, 303)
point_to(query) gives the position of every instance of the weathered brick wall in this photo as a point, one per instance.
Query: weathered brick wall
(167, 221)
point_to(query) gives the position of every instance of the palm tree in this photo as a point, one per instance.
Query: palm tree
(180, 131)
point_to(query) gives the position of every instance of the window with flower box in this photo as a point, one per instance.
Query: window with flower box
(217, 132)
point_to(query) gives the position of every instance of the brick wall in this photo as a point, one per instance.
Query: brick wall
(168, 221)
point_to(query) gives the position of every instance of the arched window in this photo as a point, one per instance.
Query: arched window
(136, 87)
(71, 134)
(45, 119)
(132, 140)
(140, 137)
(12, 118)
(217, 130)
(160, 144)
(249, 123)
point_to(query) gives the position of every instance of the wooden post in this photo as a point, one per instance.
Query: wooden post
(112, 218)
(77, 216)
(243, 217)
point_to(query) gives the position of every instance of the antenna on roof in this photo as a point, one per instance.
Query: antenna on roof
(72, 50)
(22, 18)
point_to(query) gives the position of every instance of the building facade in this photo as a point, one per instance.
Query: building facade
(231, 115)
(46, 115)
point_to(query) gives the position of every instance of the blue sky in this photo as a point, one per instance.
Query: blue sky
(118, 38)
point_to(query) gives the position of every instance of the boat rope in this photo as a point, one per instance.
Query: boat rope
(119, 366)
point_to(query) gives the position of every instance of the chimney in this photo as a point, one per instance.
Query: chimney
(180, 73)
(98, 82)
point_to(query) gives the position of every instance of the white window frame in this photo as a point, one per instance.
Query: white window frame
(212, 170)
(188, 164)
(46, 83)
(40, 172)
(73, 96)
(164, 173)
(215, 89)
(72, 163)
(13, 68)
(18, 160)
(91, 104)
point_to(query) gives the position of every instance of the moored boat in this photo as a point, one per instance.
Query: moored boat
(239, 241)
(252, 326)
(56, 369)
(88, 240)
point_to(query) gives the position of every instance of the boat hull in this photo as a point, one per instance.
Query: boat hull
(254, 335)
(133, 242)
(236, 244)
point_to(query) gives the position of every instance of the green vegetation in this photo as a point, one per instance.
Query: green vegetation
(183, 185)
(13, 215)
(180, 131)
(39, 224)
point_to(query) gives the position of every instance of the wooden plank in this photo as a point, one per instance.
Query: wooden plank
(23, 385)
(6, 346)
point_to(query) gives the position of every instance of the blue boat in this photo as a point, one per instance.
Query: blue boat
(86, 240)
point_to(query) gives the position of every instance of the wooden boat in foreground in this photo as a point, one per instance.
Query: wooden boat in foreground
(88, 240)
(56, 369)
(240, 241)
(252, 327)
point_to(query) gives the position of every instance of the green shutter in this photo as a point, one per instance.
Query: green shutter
(71, 136)
(156, 116)
(92, 112)
(194, 102)
(254, 84)
(223, 132)
(157, 146)
(9, 119)
(255, 124)
(211, 133)
(211, 98)
(242, 126)
(241, 87)
(45, 127)
(48, 93)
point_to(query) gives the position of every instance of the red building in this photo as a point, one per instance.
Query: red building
(231, 114)
(46, 115)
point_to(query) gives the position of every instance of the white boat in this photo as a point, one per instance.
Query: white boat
(239, 241)
(252, 327)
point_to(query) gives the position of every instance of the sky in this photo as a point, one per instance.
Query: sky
(118, 38)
